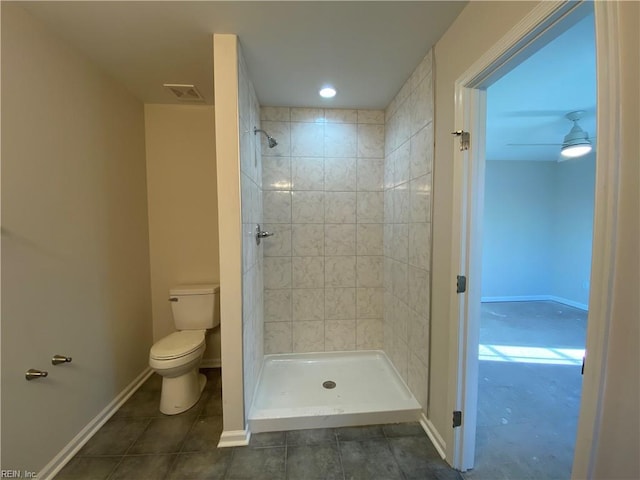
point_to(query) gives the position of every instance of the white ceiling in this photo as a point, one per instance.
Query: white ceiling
(366, 50)
(527, 105)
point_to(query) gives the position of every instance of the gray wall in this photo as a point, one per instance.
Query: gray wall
(537, 230)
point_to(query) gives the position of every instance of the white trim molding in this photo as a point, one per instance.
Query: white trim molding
(234, 438)
(431, 431)
(51, 469)
(537, 298)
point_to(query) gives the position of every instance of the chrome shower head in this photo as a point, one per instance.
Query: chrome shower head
(270, 140)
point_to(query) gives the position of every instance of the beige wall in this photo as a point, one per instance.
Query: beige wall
(619, 440)
(225, 67)
(183, 208)
(75, 255)
(478, 27)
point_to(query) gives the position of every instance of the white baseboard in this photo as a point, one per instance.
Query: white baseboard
(433, 435)
(516, 298)
(211, 363)
(536, 298)
(66, 454)
(571, 303)
(234, 438)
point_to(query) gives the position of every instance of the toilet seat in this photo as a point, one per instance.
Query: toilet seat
(178, 344)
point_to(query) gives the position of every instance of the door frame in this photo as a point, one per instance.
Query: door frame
(533, 32)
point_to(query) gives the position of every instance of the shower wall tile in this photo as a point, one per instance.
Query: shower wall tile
(369, 239)
(371, 116)
(324, 202)
(307, 115)
(277, 272)
(370, 207)
(340, 303)
(276, 173)
(279, 245)
(369, 271)
(369, 334)
(308, 239)
(308, 304)
(307, 207)
(369, 302)
(407, 183)
(370, 141)
(340, 207)
(422, 151)
(340, 271)
(338, 115)
(340, 140)
(277, 207)
(370, 174)
(340, 174)
(340, 335)
(340, 239)
(278, 338)
(308, 336)
(277, 305)
(308, 272)
(308, 173)
(307, 139)
(251, 178)
(276, 114)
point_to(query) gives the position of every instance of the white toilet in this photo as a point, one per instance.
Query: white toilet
(176, 357)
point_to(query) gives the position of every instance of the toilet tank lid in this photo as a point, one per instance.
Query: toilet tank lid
(200, 289)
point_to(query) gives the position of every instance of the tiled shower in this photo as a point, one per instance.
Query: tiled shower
(347, 195)
(323, 200)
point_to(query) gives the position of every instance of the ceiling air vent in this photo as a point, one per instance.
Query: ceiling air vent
(184, 93)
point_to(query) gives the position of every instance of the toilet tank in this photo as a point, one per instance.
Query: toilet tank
(195, 307)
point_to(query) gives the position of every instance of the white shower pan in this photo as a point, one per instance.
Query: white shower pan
(292, 392)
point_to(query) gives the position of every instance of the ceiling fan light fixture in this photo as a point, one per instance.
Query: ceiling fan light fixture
(576, 142)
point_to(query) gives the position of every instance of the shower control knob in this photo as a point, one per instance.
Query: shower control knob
(260, 234)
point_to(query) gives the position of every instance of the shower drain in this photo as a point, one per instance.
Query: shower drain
(329, 384)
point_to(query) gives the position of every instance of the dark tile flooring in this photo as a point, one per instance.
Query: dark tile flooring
(140, 443)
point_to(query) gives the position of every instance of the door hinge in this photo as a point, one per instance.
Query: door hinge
(582, 369)
(457, 418)
(461, 284)
(465, 139)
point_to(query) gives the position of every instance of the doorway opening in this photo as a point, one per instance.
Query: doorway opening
(537, 229)
(545, 23)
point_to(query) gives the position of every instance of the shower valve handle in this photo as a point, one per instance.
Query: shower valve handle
(260, 234)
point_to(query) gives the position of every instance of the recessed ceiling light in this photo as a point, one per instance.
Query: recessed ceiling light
(327, 92)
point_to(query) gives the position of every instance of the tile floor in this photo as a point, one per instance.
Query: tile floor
(139, 443)
(528, 412)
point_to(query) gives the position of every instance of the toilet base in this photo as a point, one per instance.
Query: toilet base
(181, 393)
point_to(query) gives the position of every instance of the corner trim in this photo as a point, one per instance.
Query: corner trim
(434, 436)
(67, 453)
(234, 438)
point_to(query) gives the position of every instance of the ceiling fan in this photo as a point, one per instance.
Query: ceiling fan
(576, 143)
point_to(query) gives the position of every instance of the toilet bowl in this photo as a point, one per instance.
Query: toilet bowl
(177, 356)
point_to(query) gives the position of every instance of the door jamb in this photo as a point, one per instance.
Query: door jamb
(470, 104)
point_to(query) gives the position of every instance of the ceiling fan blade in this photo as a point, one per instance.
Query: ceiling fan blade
(533, 144)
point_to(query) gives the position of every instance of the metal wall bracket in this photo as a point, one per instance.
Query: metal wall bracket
(465, 139)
